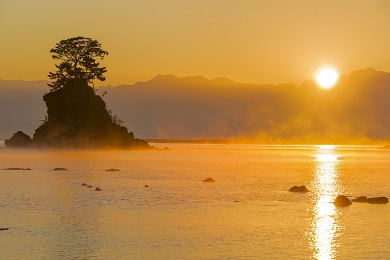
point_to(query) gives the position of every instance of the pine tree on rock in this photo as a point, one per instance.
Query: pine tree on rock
(78, 57)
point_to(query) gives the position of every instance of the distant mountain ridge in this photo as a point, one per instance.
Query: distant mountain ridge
(168, 107)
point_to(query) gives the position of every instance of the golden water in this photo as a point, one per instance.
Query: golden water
(247, 213)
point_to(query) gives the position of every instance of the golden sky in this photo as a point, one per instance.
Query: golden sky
(252, 41)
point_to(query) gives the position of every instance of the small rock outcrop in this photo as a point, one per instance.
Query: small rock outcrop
(342, 201)
(60, 169)
(375, 200)
(208, 180)
(298, 189)
(17, 169)
(360, 199)
(378, 200)
(112, 170)
(19, 140)
(84, 184)
(98, 189)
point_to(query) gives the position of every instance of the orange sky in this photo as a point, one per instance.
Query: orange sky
(247, 41)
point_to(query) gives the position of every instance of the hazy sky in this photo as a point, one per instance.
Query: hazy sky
(253, 41)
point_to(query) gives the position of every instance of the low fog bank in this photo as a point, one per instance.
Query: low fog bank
(355, 110)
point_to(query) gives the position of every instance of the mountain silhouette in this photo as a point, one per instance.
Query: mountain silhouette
(169, 107)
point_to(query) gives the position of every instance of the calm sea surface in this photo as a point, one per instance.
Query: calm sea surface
(247, 213)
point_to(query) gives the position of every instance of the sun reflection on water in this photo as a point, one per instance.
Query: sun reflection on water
(324, 226)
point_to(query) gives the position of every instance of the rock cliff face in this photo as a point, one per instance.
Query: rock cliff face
(78, 118)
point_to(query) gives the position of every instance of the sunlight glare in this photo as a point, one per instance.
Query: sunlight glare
(325, 224)
(327, 77)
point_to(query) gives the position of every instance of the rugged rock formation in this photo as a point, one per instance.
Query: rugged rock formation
(298, 189)
(78, 118)
(342, 201)
(19, 140)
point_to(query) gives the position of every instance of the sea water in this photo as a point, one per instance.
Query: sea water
(247, 213)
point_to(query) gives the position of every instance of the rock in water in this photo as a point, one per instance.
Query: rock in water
(209, 180)
(298, 189)
(18, 169)
(60, 169)
(342, 201)
(112, 170)
(19, 140)
(360, 199)
(378, 200)
(78, 118)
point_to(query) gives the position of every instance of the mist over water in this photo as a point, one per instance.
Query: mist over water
(247, 213)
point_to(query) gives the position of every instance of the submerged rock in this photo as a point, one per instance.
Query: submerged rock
(298, 189)
(342, 201)
(208, 180)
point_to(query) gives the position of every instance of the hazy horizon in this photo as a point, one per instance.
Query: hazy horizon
(354, 111)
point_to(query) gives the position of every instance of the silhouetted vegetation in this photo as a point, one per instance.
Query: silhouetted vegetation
(78, 61)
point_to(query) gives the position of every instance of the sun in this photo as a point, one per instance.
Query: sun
(327, 77)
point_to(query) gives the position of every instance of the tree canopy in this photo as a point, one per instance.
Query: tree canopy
(78, 57)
